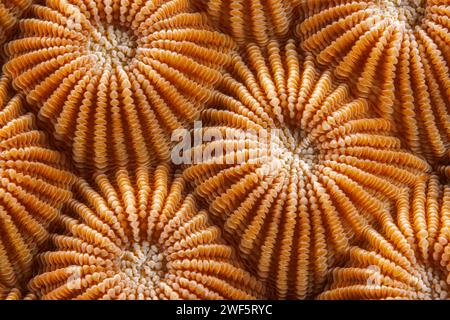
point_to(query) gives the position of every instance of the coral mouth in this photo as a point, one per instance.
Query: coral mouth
(113, 45)
(292, 148)
(406, 12)
(143, 267)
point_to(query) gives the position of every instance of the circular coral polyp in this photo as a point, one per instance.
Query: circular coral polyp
(396, 54)
(326, 178)
(113, 80)
(34, 185)
(417, 266)
(137, 235)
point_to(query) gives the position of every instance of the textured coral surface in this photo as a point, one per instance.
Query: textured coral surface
(224, 149)
(251, 20)
(139, 237)
(33, 186)
(294, 203)
(398, 51)
(115, 80)
(10, 13)
(420, 268)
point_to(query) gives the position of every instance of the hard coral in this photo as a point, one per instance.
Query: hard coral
(136, 235)
(417, 266)
(113, 80)
(296, 168)
(251, 20)
(398, 51)
(33, 186)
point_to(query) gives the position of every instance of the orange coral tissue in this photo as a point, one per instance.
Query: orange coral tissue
(114, 79)
(137, 236)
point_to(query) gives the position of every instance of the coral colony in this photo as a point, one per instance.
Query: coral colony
(215, 149)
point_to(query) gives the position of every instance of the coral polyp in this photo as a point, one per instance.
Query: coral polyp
(114, 80)
(136, 235)
(298, 169)
(417, 267)
(397, 53)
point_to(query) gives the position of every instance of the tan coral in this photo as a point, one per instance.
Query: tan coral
(398, 53)
(294, 203)
(33, 186)
(417, 266)
(136, 235)
(113, 80)
(251, 20)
